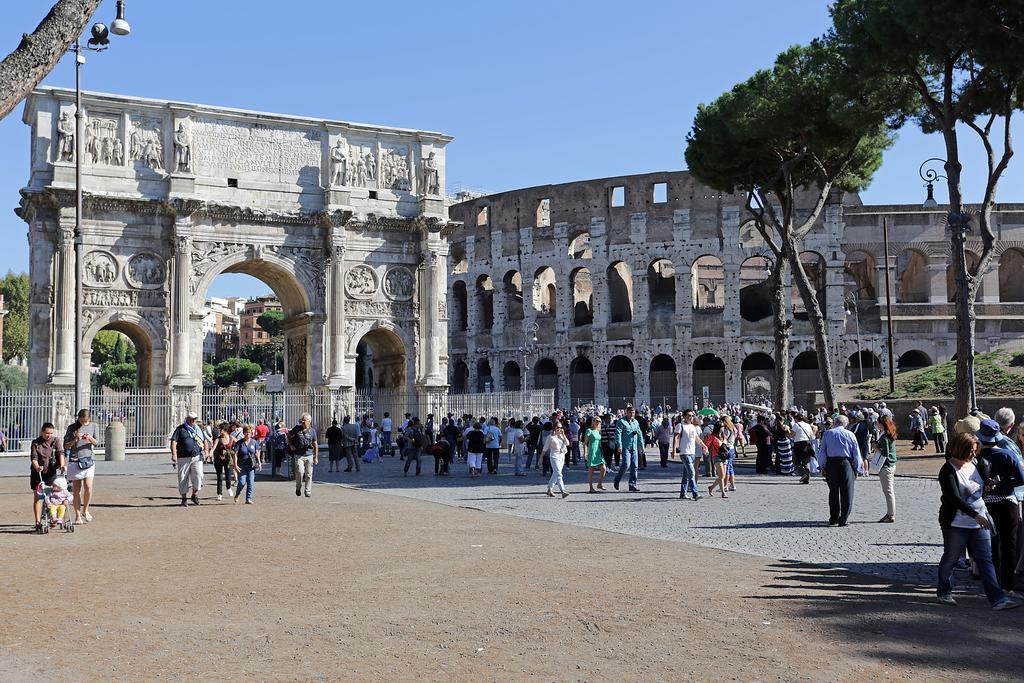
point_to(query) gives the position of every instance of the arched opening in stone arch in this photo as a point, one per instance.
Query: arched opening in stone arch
(457, 260)
(1011, 276)
(380, 361)
(814, 265)
(620, 293)
(512, 284)
(750, 237)
(913, 360)
(911, 277)
(460, 309)
(484, 378)
(661, 288)
(755, 294)
(460, 377)
(582, 297)
(121, 355)
(862, 366)
(806, 377)
(663, 382)
(708, 284)
(581, 378)
(952, 286)
(860, 276)
(621, 383)
(485, 303)
(708, 380)
(579, 246)
(511, 376)
(544, 291)
(757, 375)
(545, 376)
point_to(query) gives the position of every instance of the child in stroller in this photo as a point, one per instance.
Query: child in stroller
(56, 503)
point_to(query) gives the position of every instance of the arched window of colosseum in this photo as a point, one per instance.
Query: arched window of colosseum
(709, 378)
(581, 381)
(485, 301)
(862, 366)
(460, 311)
(911, 277)
(806, 377)
(544, 291)
(545, 376)
(512, 376)
(708, 284)
(750, 238)
(663, 382)
(544, 213)
(483, 216)
(457, 260)
(513, 289)
(661, 287)
(755, 295)
(484, 379)
(951, 284)
(913, 360)
(814, 266)
(460, 376)
(621, 383)
(860, 276)
(582, 298)
(1011, 276)
(579, 246)
(757, 375)
(620, 293)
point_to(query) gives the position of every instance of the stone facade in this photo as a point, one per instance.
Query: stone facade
(345, 222)
(650, 288)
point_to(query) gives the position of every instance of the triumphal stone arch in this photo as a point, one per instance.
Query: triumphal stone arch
(345, 222)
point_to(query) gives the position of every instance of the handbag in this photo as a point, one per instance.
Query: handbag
(878, 461)
(85, 461)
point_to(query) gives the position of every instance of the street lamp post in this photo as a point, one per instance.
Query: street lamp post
(851, 307)
(100, 41)
(530, 330)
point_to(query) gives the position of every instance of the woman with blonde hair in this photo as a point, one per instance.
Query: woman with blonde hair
(556, 447)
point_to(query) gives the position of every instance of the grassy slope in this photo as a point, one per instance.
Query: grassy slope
(997, 373)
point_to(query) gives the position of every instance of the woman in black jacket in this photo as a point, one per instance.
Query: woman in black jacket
(965, 522)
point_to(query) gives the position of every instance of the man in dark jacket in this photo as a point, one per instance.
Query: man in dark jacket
(1002, 475)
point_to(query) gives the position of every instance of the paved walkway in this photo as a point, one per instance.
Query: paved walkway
(768, 515)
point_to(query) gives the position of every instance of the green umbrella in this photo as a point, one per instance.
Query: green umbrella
(707, 411)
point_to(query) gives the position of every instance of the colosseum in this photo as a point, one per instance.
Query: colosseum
(651, 288)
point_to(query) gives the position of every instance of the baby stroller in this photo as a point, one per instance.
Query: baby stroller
(49, 519)
(371, 454)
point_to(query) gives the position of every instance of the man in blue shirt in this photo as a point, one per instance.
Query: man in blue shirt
(838, 448)
(493, 433)
(628, 442)
(1003, 472)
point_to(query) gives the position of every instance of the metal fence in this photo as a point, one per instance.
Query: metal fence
(150, 416)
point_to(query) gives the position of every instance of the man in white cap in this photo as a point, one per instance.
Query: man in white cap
(188, 451)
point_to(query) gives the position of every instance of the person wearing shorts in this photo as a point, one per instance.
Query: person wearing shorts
(79, 440)
(188, 451)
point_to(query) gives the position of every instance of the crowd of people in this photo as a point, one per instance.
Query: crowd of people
(982, 481)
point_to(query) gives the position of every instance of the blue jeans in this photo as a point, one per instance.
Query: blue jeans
(979, 541)
(246, 480)
(630, 459)
(689, 482)
(574, 451)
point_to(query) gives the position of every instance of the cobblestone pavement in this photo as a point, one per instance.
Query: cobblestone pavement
(767, 515)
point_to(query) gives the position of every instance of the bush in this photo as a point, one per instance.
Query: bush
(235, 371)
(13, 379)
(118, 376)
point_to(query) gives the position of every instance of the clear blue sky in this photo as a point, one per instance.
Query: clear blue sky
(534, 92)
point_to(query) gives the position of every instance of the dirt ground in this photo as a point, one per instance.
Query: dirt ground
(354, 586)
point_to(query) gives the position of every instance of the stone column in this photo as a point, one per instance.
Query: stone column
(989, 292)
(430, 290)
(336, 313)
(64, 322)
(181, 374)
(641, 306)
(599, 287)
(731, 314)
(936, 283)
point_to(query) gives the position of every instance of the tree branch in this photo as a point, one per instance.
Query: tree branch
(38, 53)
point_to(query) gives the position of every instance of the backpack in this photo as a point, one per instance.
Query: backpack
(279, 441)
(420, 438)
(299, 441)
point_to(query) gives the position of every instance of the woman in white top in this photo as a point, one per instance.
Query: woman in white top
(556, 447)
(803, 448)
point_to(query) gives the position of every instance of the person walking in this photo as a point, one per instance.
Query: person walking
(493, 445)
(1002, 472)
(246, 462)
(188, 452)
(416, 442)
(937, 426)
(533, 444)
(887, 472)
(761, 438)
(556, 447)
(593, 456)
(608, 441)
(335, 450)
(839, 450)
(688, 439)
(664, 438)
(783, 448)
(917, 432)
(306, 454)
(803, 451)
(966, 523)
(80, 438)
(629, 440)
(729, 436)
(516, 438)
(475, 445)
(720, 458)
(573, 432)
(46, 461)
(223, 447)
(349, 443)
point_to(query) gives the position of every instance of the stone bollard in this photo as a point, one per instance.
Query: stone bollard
(115, 440)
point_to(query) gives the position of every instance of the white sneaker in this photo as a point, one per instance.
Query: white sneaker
(1005, 604)
(946, 599)
(220, 497)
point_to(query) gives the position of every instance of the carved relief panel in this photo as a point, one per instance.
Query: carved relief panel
(361, 282)
(399, 284)
(103, 140)
(100, 268)
(146, 144)
(362, 164)
(394, 168)
(146, 271)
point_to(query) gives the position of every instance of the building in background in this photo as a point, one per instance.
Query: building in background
(249, 330)
(220, 328)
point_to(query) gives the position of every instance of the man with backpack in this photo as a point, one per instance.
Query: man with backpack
(278, 448)
(303, 447)
(417, 442)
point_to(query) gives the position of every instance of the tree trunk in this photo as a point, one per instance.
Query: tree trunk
(963, 306)
(38, 53)
(781, 328)
(810, 298)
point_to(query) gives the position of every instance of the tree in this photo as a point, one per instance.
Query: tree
(111, 346)
(270, 322)
(38, 53)
(787, 138)
(957, 58)
(235, 371)
(15, 290)
(117, 376)
(207, 373)
(264, 355)
(13, 380)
